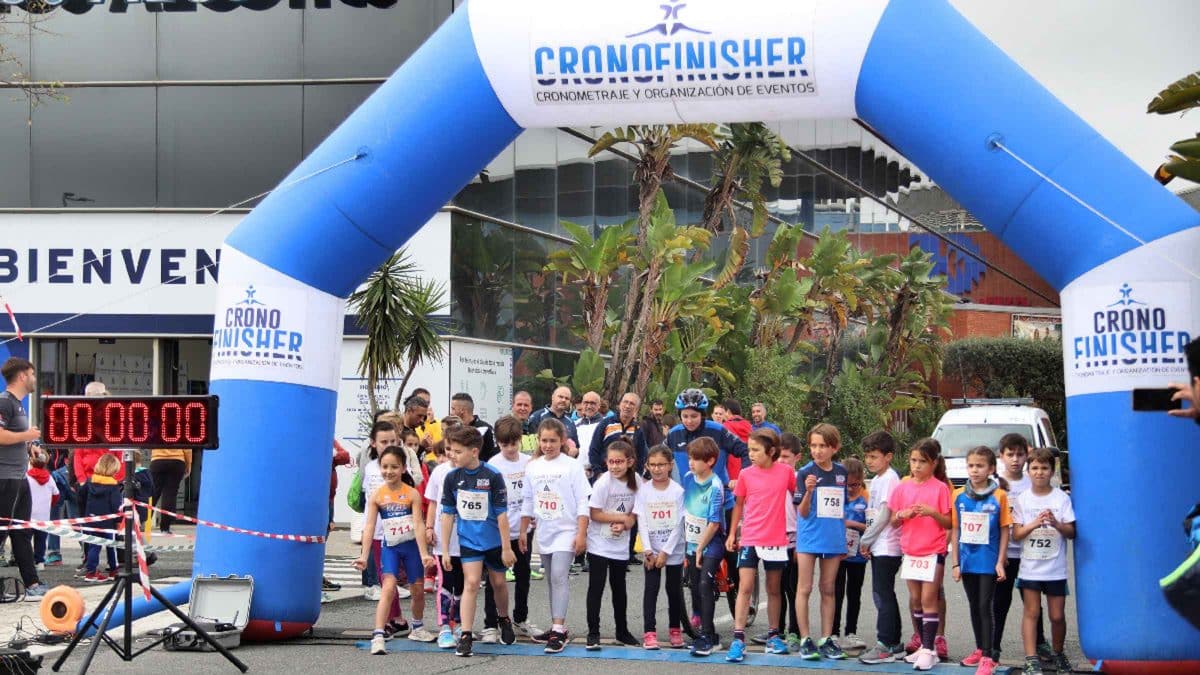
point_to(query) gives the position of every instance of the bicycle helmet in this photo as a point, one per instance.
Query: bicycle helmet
(691, 398)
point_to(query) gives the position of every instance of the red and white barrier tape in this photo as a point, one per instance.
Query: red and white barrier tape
(139, 547)
(302, 538)
(12, 317)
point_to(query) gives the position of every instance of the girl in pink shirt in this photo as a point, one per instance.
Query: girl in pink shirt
(922, 512)
(761, 493)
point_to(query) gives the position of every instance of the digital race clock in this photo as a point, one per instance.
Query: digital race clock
(130, 421)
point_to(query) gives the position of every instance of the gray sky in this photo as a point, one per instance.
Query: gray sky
(1105, 59)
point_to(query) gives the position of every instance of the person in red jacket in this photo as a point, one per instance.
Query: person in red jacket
(740, 427)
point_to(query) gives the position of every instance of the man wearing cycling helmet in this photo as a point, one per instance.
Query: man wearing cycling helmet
(691, 404)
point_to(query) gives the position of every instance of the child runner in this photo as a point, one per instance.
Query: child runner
(703, 521)
(450, 583)
(1043, 520)
(556, 493)
(659, 509)
(510, 462)
(396, 508)
(101, 495)
(43, 493)
(820, 537)
(790, 447)
(1014, 453)
(978, 547)
(475, 503)
(923, 515)
(853, 568)
(612, 511)
(761, 491)
(881, 541)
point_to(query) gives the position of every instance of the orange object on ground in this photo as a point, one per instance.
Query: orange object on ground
(62, 609)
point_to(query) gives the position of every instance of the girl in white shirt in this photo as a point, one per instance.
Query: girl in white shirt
(557, 493)
(659, 509)
(608, 540)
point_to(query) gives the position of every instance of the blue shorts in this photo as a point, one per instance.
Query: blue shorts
(1057, 588)
(406, 554)
(748, 559)
(491, 558)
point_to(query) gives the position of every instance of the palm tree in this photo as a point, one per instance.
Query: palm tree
(593, 263)
(396, 310)
(1182, 95)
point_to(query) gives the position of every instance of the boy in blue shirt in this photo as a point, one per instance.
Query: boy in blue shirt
(703, 521)
(476, 497)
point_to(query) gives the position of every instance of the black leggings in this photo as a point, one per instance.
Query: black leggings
(703, 581)
(1002, 601)
(520, 602)
(981, 591)
(791, 577)
(675, 610)
(167, 475)
(16, 503)
(848, 586)
(600, 567)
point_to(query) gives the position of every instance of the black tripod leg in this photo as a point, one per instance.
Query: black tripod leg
(199, 631)
(98, 637)
(90, 623)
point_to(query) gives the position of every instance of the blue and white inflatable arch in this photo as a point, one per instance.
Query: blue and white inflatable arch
(914, 70)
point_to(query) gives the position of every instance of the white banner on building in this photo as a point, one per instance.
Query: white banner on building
(484, 372)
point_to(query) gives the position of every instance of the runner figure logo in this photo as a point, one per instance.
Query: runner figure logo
(670, 24)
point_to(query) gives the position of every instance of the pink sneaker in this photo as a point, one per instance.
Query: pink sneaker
(974, 659)
(676, 638)
(913, 644)
(650, 641)
(943, 649)
(926, 660)
(986, 666)
(695, 622)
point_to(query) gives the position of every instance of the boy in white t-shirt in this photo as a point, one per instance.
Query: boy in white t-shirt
(1013, 453)
(510, 462)
(43, 492)
(1043, 521)
(881, 543)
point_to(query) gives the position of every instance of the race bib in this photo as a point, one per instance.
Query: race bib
(472, 505)
(919, 568)
(974, 528)
(830, 502)
(853, 537)
(516, 486)
(548, 505)
(660, 516)
(398, 530)
(1043, 543)
(871, 515)
(772, 553)
(694, 527)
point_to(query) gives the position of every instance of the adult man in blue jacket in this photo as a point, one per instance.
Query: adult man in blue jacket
(691, 404)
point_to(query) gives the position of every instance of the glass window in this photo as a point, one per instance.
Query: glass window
(14, 148)
(95, 149)
(220, 145)
(327, 106)
(493, 191)
(613, 186)
(537, 177)
(534, 291)
(393, 34)
(576, 183)
(239, 44)
(97, 45)
(481, 278)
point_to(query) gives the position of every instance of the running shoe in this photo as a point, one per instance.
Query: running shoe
(541, 638)
(327, 585)
(650, 641)
(926, 659)
(557, 642)
(593, 642)
(852, 642)
(378, 644)
(1061, 663)
(422, 634)
(942, 649)
(761, 638)
(35, 593)
(536, 574)
(737, 651)
(1033, 666)
(702, 646)
(394, 629)
(676, 638)
(326, 598)
(776, 645)
(986, 667)
(880, 653)
(914, 643)
(507, 635)
(91, 578)
(793, 642)
(428, 585)
(445, 639)
(830, 649)
(509, 576)
(624, 637)
(973, 660)
(1045, 653)
(490, 636)
(54, 558)
(372, 593)
(527, 629)
(464, 645)
(403, 593)
(808, 650)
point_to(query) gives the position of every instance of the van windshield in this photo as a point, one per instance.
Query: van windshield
(958, 439)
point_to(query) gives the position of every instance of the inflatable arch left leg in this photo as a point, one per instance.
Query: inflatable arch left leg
(911, 68)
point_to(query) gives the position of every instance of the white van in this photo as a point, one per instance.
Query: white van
(985, 422)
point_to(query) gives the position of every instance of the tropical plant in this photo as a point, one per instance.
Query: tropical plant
(396, 310)
(1180, 96)
(593, 264)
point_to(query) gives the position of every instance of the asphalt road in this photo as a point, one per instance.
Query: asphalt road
(345, 622)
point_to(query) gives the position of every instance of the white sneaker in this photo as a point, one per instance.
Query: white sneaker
(926, 659)
(372, 593)
(852, 641)
(403, 592)
(912, 658)
(378, 645)
(527, 629)
(490, 636)
(326, 598)
(41, 566)
(422, 634)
